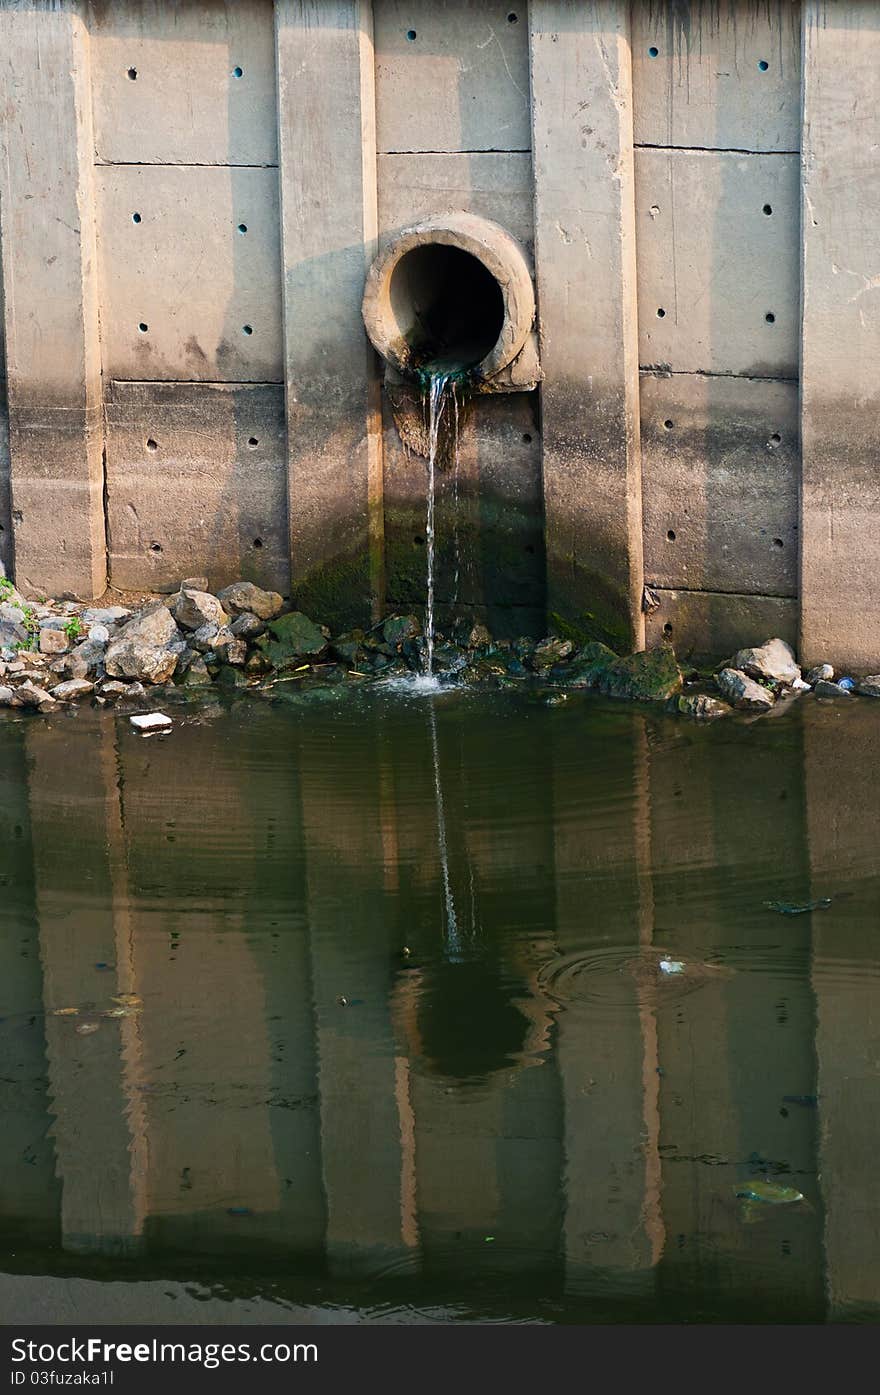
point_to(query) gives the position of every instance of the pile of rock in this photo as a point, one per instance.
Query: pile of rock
(243, 638)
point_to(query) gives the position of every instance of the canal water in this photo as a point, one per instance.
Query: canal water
(371, 1023)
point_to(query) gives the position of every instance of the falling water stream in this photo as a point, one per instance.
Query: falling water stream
(439, 390)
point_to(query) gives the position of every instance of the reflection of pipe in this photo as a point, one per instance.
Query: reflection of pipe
(423, 268)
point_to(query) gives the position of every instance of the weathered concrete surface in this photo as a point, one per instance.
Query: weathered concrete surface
(712, 624)
(720, 467)
(50, 295)
(715, 264)
(840, 390)
(329, 226)
(460, 83)
(493, 185)
(698, 78)
(185, 104)
(196, 472)
(585, 264)
(184, 293)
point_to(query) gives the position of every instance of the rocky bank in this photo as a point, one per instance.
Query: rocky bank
(243, 638)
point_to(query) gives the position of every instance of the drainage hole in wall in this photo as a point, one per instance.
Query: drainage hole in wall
(419, 541)
(132, 73)
(775, 438)
(530, 549)
(763, 64)
(669, 423)
(258, 542)
(777, 542)
(411, 35)
(670, 536)
(151, 444)
(237, 73)
(242, 228)
(135, 217)
(667, 628)
(247, 329)
(527, 438)
(770, 317)
(768, 209)
(253, 442)
(653, 52)
(155, 547)
(512, 18)
(660, 313)
(143, 328)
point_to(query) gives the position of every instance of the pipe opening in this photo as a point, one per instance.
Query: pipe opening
(448, 306)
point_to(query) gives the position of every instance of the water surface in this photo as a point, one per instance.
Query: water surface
(402, 1049)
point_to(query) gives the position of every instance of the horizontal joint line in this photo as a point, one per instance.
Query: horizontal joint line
(653, 371)
(179, 165)
(488, 151)
(711, 149)
(743, 595)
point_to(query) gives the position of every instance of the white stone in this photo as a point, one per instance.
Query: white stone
(150, 721)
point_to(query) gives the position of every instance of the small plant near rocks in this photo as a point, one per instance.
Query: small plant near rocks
(6, 588)
(74, 629)
(32, 625)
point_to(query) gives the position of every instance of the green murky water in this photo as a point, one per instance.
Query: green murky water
(397, 1045)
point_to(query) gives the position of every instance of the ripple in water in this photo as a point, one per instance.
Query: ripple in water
(618, 976)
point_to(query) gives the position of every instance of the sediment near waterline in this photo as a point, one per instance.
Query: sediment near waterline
(245, 639)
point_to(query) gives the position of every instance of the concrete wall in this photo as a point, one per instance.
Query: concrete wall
(190, 196)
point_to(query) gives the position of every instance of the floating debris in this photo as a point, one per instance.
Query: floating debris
(342, 1001)
(85, 1029)
(793, 908)
(121, 1012)
(671, 966)
(128, 999)
(65, 1012)
(771, 1193)
(150, 721)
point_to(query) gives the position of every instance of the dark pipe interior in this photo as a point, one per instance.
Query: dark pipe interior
(448, 305)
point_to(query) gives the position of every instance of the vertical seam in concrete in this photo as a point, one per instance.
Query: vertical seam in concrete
(375, 451)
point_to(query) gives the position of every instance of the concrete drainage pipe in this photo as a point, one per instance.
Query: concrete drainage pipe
(453, 291)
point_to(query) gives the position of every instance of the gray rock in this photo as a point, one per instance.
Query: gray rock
(11, 614)
(113, 689)
(203, 638)
(73, 688)
(194, 583)
(774, 660)
(819, 673)
(53, 641)
(703, 707)
(550, 651)
(244, 597)
(100, 633)
(741, 692)
(27, 694)
(197, 675)
(192, 609)
(830, 690)
(107, 615)
(398, 628)
(870, 686)
(7, 696)
(236, 652)
(83, 661)
(141, 649)
(247, 625)
(221, 641)
(294, 636)
(11, 635)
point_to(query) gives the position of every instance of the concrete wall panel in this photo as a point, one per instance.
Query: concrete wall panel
(714, 624)
(841, 335)
(713, 266)
(720, 465)
(585, 260)
(184, 84)
(720, 76)
(451, 75)
(496, 186)
(196, 482)
(207, 293)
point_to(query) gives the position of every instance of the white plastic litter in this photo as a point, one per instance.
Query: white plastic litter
(671, 966)
(150, 721)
